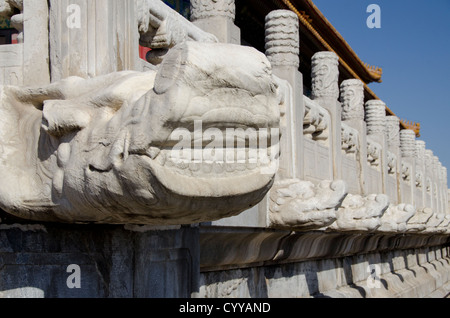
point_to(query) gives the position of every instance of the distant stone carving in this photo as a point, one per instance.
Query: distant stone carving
(391, 163)
(316, 122)
(406, 172)
(349, 139)
(352, 99)
(437, 223)
(418, 179)
(444, 227)
(100, 150)
(301, 205)
(393, 131)
(373, 153)
(395, 218)
(418, 222)
(359, 213)
(325, 74)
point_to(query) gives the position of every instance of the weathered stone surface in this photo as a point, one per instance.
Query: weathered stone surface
(396, 217)
(359, 213)
(348, 204)
(299, 204)
(103, 149)
(282, 38)
(203, 9)
(325, 75)
(352, 99)
(323, 265)
(113, 261)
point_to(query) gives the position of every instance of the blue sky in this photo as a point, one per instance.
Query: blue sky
(413, 48)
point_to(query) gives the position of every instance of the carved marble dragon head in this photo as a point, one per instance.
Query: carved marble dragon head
(99, 150)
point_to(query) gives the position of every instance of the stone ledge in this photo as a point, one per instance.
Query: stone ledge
(416, 273)
(227, 248)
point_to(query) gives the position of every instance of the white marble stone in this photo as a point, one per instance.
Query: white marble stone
(359, 213)
(105, 153)
(283, 38)
(217, 17)
(299, 204)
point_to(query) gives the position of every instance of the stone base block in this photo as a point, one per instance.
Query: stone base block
(65, 261)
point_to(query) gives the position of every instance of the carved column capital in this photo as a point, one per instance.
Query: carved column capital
(204, 9)
(325, 75)
(376, 117)
(435, 162)
(352, 99)
(420, 149)
(283, 38)
(393, 131)
(408, 143)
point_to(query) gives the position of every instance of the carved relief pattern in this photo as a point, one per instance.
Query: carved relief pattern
(375, 117)
(283, 38)
(393, 131)
(420, 151)
(396, 217)
(419, 178)
(349, 139)
(352, 99)
(203, 9)
(373, 153)
(316, 121)
(406, 172)
(418, 222)
(408, 143)
(391, 163)
(359, 213)
(297, 204)
(325, 75)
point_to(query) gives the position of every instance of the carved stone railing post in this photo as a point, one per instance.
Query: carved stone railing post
(437, 181)
(217, 17)
(393, 158)
(408, 150)
(296, 202)
(92, 38)
(282, 50)
(376, 130)
(441, 188)
(446, 190)
(283, 38)
(325, 91)
(448, 193)
(429, 184)
(352, 100)
(420, 174)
